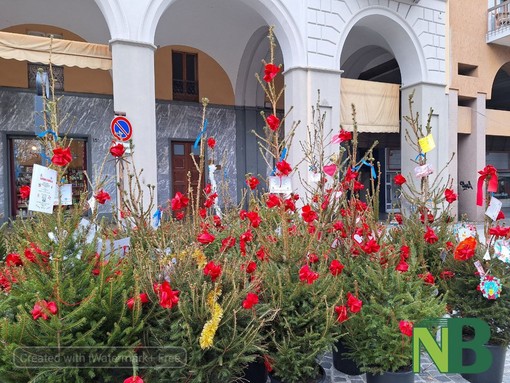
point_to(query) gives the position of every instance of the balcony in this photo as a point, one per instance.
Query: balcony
(499, 24)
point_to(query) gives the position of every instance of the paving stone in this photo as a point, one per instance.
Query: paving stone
(428, 374)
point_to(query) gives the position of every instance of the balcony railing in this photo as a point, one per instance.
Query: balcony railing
(499, 18)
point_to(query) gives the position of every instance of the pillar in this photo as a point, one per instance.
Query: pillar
(472, 159)
(134, 94)
(301, 93)
(427, 96)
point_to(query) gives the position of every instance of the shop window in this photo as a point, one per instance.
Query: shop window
(185, 76)
(24, 152)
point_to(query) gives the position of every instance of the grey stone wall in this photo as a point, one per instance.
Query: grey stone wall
(182, 121)
(85, 115)
(90, 116)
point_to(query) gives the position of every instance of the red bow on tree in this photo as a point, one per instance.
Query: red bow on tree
(490, 172)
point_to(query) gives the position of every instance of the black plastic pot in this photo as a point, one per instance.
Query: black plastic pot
(391, 377)
(320, 379)
(255, 372)
(342, 362)
(495, 373)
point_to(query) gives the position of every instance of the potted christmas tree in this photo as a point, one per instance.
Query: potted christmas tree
(480, 271)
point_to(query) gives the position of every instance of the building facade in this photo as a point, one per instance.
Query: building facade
(154, 60)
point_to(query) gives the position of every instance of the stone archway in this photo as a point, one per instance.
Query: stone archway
(378, 36)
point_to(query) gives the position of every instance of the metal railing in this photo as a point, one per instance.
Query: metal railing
(499, 17)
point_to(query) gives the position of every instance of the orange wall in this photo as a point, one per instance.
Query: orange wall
(468, 30)
(213, 82)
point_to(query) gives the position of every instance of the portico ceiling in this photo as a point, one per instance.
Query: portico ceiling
(82, 17)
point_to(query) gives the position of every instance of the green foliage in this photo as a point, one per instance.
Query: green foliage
(466, 301)
(239, 338)
(90, 292)
(388, 296)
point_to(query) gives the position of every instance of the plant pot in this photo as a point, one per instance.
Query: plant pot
(495, 373)
(342, 362)
(255, 372)
(391, 377)
(321, 378)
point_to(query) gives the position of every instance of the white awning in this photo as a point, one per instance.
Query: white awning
(63, 52)
(376, 103)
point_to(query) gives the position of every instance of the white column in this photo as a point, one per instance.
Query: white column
(426, 96)
(301, 92)
(134, 94)
(472, 159)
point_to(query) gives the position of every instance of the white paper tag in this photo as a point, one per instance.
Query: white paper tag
(119, 246)
(66, 195)
(480, 269)
(280, 185)
(494, 208)
(314, 176)
(92, 203)
(42, 189)
(358, 238)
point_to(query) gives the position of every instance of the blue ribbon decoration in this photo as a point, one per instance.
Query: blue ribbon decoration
(282, 157)
(372, 170)
(156, 219)
(419, 155)
(45, 158)
(197, 141)
(42, 134)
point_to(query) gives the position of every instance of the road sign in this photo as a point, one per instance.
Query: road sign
(121, 128)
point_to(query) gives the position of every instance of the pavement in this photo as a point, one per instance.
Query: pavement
(429, 372)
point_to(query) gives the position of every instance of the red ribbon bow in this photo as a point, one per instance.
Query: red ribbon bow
(491, 172)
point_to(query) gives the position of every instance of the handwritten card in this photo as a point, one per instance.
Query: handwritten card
(427, 143)
(42, 189)
(494, 208)
(66, 195)
(280, 185)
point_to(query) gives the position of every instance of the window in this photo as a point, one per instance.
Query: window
(58, 74)
(185, 76)
(24, 152)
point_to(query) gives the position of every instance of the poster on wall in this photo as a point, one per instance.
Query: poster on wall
(42, 189)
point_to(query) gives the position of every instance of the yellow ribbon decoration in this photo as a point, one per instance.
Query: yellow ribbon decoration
(211, 326)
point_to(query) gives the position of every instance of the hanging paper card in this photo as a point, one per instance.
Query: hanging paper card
(66, 195)
(330, 170)
(480, 269)
(92, 203)
(443, 255)
(490, 287)
(502, 250)
(423, 170)
(464, 230)
(280, 185)
(314, 176)
(119, 246)
(427, 143)
(494, 208)
(42, 189)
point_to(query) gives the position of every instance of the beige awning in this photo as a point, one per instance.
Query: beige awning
(377, 105)
(63, 52)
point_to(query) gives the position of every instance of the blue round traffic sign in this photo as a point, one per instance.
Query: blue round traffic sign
(121, 128)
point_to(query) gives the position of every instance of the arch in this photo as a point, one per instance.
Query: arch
(248, 91)
(400, 37)
(241, 20)
(498, 98)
